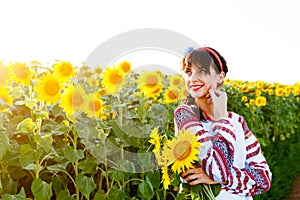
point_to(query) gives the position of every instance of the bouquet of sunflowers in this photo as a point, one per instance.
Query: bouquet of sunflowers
(174, 156)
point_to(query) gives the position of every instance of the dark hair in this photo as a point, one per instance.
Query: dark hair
(202, 58)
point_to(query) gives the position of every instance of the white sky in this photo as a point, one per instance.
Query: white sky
(260, 39)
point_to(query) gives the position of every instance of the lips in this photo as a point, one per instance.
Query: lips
(195, 88)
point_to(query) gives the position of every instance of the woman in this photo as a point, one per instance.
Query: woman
(230, 154)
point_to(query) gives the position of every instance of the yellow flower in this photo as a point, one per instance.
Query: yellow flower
(182, 151)
(252, 102)
(4, 74)
(244, 99)
(260, 101)
(93, 82)
(259, 85)
(98, 70)
(63, 70)
(112, 79)
(124, 66)
(227, 81)
(166, 180)
(287, 90)
(257, 93)
(93, 106)
(150, 83)
(4, 95)
(21, 73)
(172, 95)
(72, 100)
(270, 92)
(244, 89)
(48, 89)
(155, 139)
(176, 80)
(279, 91)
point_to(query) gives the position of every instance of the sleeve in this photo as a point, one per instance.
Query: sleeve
(256, 165)
(186, 119)
(236, 159)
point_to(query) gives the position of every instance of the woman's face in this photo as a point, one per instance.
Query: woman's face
(198, 81)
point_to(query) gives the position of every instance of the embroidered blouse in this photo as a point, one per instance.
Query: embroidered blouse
(229, 153)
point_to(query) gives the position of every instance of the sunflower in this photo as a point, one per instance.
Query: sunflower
(93, 82)
(4, 95)
(155, 139)
(98, 70)
(93, 106)
(279, 91)
(166, 180)
(4, 74)
(63, 70)
(150, 83)
(260, 101)
(48, 89)
(176, 80)
(72, 100)
(182, 151)
(124, 67)
(227, 81)
(172, 95)
(21, 73)
(244, 98)
(112, 79)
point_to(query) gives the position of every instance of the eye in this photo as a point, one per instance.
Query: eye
(188, 72)
(202, 72)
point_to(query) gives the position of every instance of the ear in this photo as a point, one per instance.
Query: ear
(221, 78)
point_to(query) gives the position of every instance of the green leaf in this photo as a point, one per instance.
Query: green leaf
(88, 166)
(117, 175)
(4, 144)
(63, 195)
(41, 115)
(115, 193)
(146, 189)
(154, 178)
(20, 196)
(46, 142)
(41, 189)
(29, 155)
(100, 195)
(72, 154)
(85, 184)
(26, 126)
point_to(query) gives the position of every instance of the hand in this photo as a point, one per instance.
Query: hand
(219, 100)
(197, 175)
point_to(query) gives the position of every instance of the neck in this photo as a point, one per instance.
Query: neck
(207, 108)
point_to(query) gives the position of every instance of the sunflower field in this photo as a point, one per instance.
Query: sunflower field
(70, 132)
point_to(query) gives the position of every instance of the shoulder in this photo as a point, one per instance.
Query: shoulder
(184, 115)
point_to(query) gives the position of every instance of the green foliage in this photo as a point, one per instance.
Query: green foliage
(47, 154)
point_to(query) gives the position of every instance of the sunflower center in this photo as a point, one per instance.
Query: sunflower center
(151, 81)
(176, 82)
(115, 78)
(51, 87)
(65, 70)
(182, 150)
(95, 105)
(172, 95)
(125, 67)
(77, 99)
(20, 72)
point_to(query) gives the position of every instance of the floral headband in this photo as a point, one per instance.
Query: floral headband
(190, 49)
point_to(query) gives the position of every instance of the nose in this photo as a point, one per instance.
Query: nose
(194, 77)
